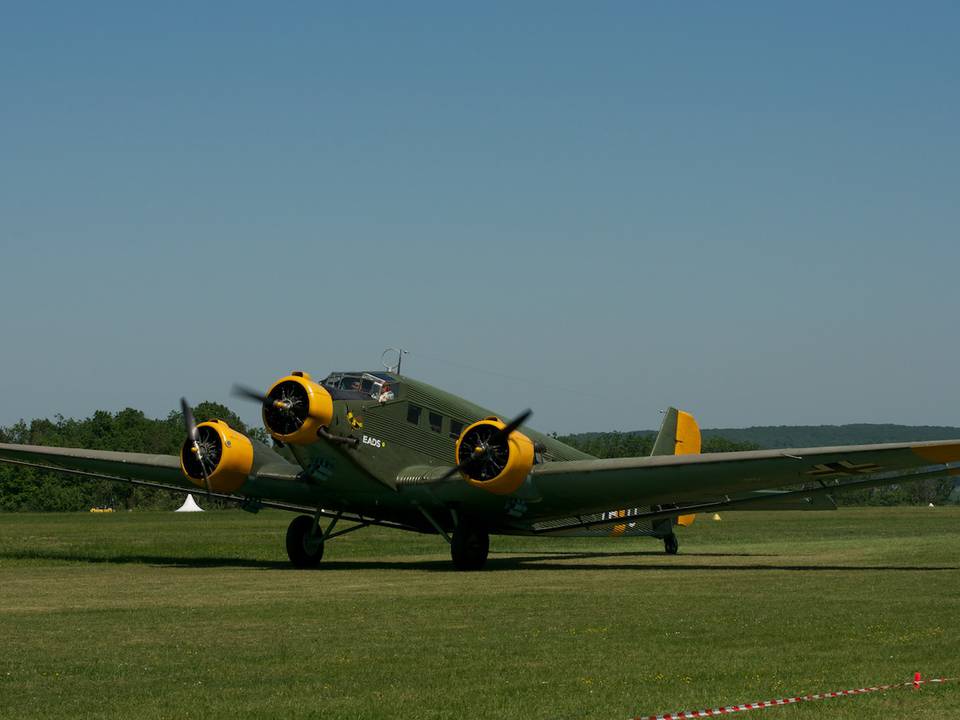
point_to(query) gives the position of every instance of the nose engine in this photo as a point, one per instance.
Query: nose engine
(492, 460)
(296, 408)
(221, 453)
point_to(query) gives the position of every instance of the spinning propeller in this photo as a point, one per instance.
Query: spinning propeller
(285, 408)
(257, 396)
(297, 410)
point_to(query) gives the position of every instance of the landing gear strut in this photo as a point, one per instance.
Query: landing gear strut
(469, 546)
(304, 542)
(671, 544)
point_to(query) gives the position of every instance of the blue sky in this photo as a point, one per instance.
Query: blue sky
(596, 210)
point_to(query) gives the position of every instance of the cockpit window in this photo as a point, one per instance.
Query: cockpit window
(349, 382)
(372, 385)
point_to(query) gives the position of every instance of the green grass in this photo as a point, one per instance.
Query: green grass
(156, 615)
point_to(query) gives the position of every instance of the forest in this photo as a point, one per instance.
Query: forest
(129, 430)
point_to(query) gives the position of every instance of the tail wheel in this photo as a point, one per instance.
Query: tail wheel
(670, 544)
(469, 546)
(304, 545)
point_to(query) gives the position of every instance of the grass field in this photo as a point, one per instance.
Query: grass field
(156, 615)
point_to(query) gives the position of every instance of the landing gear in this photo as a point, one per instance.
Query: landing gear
(469, 546)
(304, 542)
(671, 544)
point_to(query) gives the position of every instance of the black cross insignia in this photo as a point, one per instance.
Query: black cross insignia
(844, 467)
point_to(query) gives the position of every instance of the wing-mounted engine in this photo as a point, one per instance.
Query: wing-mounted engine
(221, 457)
(492, 459)
(296, 408)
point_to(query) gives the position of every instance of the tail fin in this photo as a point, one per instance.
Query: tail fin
(679, 435)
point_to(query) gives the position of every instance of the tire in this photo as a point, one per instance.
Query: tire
(469, 546)
(304, 548)
(670, 544)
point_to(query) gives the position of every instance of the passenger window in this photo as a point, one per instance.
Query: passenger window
(456, 429)
(436, 422)
(413, 414)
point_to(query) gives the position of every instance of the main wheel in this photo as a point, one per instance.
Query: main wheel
(469, 546)
(304, 546)
(671, 544)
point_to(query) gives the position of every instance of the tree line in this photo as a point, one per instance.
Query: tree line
(129, 430)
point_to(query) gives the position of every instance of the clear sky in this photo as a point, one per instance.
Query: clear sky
(749, 210)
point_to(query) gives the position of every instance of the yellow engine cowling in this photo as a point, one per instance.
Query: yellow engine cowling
(227, 456)
(298, 407)
(503, 463)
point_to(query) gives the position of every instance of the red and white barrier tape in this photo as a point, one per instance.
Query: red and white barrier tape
(730, 709)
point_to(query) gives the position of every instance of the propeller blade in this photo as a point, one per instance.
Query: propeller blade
(250, 394)
(515, 423)
(191, 422)
(462, 466)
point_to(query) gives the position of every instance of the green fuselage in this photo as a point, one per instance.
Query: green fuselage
(399, 442)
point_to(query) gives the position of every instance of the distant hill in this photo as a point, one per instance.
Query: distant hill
(794, 436)
(786, 436)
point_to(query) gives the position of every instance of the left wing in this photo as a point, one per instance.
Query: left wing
(685, 483)
(160, 471)
(164, 472)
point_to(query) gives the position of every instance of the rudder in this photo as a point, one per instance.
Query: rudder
(679, 435)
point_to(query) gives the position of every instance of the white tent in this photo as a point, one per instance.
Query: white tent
(189, 505)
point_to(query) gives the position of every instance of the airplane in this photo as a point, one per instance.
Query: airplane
(381, 448)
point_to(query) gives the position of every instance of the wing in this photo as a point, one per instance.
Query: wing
(677, 484)
(160, 471)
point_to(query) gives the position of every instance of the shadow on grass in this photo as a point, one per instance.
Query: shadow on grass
(524, 564)
(155, 560)
(551, 560)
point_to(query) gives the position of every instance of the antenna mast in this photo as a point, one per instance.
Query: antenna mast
(389, 367)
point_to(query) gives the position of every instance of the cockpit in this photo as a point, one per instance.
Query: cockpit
(367, 386)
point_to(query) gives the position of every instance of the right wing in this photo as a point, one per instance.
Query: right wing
(588, 492)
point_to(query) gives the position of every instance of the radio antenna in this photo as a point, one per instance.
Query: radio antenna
(384, 360)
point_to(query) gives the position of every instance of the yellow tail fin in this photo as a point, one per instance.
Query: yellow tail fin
(679, 435)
